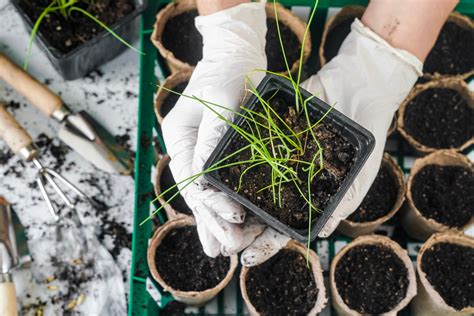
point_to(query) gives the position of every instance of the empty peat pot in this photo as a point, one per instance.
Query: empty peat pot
(163, 181)
(440, 194)
(445, 266)
(166, 100)
(284, 284)
(178, 263)
(452, 52)
(438, 115)
(372, 275)
(384, 199)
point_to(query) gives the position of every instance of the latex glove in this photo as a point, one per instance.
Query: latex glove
(234, 46)
(367, 81)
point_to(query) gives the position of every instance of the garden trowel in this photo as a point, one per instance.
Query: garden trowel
(78, 130)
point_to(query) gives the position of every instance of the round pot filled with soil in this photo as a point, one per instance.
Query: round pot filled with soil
(166, 100)
(440, 194)
(178, 263)
(445, 274)
(371, 275)
(336, 30)
(384, 199)
(438, 115)
(452, 52)
(292, 30)
(176, 36)
(163, 181)
(284, 284)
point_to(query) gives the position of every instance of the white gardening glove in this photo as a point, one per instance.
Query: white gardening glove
(234, 46)
(367, 81)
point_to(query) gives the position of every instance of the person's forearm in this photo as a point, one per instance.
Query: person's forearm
(411, 25)
(206, 7)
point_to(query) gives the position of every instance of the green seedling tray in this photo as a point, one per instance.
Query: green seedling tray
(152, 71)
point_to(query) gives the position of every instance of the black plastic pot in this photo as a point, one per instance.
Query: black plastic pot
(99, 50)
(361, 138)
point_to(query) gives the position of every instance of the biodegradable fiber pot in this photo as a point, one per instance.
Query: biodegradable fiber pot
(438, 115)
(93, 53)
(187, 297)
(454, 267)
(380, 186)
(321, 298)
(163, 181)
(362, 287)
(165, 100)
(415, 221)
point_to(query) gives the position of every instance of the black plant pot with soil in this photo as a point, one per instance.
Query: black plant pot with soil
(445, 268)
(346, 146)
(372, 275)
(78, 45)
(178, 263)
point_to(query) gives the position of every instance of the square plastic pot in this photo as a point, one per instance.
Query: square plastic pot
(90, 55)
(362, 140)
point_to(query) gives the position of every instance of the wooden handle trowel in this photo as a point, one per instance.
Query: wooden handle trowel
(78, 130)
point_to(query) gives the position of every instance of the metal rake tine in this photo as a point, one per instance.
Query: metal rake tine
(67, 183)
(50, 205)
(56, 188)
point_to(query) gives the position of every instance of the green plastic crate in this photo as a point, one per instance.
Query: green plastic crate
(152, 70)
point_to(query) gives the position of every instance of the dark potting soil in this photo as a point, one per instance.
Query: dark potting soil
(450, 269)
(439, 118)
(183, 264)
(171, 99)
(166, 182)
(283, 285)
(380, 199)
(335, 37)
(275, 57)
(371, 279)
(338, 156)
(445, 194)
(181, 37)
(65, 34)
(453, 51)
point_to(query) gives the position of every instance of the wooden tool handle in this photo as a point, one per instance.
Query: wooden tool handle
(12, 133)
(35, 92)
(8, 299)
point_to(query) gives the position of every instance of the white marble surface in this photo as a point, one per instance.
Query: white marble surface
(109, 95)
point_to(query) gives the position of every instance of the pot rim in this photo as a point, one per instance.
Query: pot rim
(170, 82)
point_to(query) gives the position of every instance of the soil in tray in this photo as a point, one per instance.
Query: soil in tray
(335, 37)
(445, 194)
(449, 268)
(170, 101)
(166, 182)
(338, 156)
(67, 34)
(283, 285)
(452, 53)
(380, 199)
(183, 264)
(275, 58)
(371, 279)
(439, 118)
(181, 37)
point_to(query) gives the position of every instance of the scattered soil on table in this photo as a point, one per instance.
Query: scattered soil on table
(166, 182)
(450, 269)
(439, 118)
(371, 279)
(170, 101)
(338, 156)
(67, 34)
(445, 194)
(184, 266)
(181, 37)
(452, 53)
(380, 199)
(275, 57)
(283, 285)
(57, 149)
(336, 37)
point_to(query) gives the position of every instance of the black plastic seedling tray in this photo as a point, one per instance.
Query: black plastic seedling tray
(362, 140)
(99, 50)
